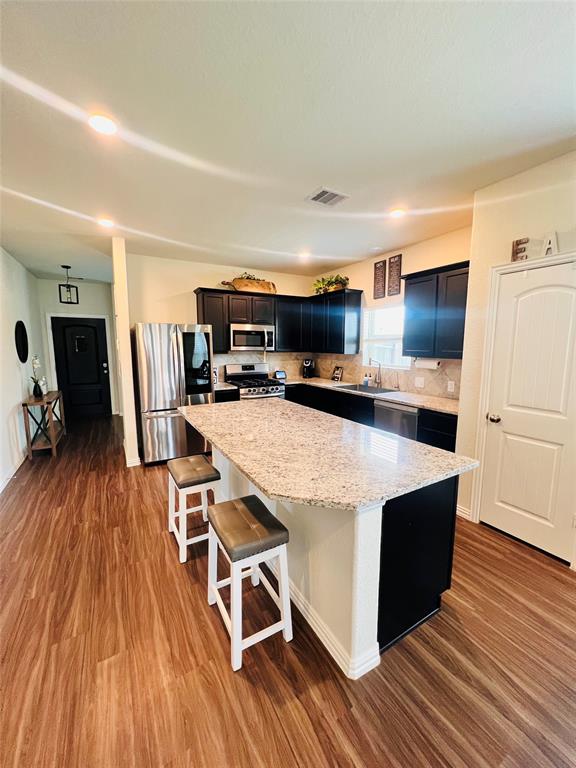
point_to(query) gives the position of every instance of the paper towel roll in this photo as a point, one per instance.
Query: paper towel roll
(426, 362)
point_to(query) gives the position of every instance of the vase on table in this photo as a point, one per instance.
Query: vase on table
(37, 391)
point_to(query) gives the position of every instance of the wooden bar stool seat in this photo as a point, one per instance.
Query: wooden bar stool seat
(248, 534)
(189, 474)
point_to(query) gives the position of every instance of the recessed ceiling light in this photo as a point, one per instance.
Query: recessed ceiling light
(397, 213)
(108, 223)
(102, 124)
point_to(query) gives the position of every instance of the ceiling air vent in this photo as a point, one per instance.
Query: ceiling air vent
(327, 197)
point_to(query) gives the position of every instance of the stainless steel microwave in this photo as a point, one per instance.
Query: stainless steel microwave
(245, 337)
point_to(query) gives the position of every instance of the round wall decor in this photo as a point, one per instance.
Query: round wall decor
(21, 339)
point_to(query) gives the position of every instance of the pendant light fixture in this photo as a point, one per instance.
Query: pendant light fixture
(68, 293)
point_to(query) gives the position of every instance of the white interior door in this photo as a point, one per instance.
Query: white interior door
(529, 480)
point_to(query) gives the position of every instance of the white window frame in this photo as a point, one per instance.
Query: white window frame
(369, 337)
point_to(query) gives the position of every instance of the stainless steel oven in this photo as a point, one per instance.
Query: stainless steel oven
(245, 337)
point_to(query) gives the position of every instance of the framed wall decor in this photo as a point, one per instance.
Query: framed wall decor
(394, 274)
(520, 249)
(380, 279)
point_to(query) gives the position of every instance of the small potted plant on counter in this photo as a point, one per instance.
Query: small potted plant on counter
(331, 283)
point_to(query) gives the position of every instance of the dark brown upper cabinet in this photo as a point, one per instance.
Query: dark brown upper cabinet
(290, 324)
(435, 311)
(258, 310)
(335, 322)
(263, 310)
(326, 323)
(240, 309)
(212, 310)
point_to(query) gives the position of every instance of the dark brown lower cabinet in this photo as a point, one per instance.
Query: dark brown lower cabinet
(415, 558)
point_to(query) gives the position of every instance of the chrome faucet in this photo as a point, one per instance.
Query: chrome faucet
(378, 377)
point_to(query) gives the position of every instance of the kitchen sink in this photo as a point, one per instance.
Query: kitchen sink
(365, 388)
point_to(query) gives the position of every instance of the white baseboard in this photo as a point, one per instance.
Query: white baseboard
(4, 482)
(352, 667)
(131, 461)
(463, 512)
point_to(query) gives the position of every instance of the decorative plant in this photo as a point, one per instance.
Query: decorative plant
(331, 283)
(36, 365)
(248, 276)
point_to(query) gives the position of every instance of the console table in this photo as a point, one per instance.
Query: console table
(48, 427)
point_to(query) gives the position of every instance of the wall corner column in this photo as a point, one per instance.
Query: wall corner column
(123, 351)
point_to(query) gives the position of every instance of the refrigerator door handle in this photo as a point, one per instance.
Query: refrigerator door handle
(180, 370)
(177, 363)
(162, 415)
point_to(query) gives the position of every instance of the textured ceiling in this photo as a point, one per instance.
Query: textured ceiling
(256, 105)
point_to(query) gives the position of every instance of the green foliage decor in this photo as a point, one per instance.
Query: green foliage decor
(331, 283)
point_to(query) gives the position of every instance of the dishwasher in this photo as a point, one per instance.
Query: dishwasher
(393, 417)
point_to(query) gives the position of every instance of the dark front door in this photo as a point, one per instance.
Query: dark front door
(81, 357)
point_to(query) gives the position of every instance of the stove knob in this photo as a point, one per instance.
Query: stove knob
(274, 389)
(263, 389)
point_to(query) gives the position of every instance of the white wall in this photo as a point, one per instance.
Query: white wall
(436, 252)
(530, 204)
(162, 290)
(94, 299)
(18, 301)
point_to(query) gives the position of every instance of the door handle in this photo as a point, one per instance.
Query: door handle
(494, 418)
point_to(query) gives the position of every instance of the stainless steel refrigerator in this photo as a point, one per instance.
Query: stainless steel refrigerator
(174, 368)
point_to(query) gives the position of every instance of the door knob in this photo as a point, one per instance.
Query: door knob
(494, 418)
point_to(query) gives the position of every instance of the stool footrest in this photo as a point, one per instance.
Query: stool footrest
(262, 635)
(270, 589)
(223, 612)
(188, 510)
(228, 580)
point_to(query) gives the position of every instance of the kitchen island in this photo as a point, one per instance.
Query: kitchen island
(371, 516)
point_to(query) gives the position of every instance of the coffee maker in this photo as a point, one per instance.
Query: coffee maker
(308, 369)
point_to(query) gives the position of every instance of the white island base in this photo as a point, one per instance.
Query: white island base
(370, 514)
(333, 557)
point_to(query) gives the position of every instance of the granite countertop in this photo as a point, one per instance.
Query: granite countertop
(430, 402)
(222, 385)
(298, 454)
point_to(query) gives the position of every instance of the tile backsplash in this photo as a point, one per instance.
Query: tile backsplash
(291, 362)
(435, 381)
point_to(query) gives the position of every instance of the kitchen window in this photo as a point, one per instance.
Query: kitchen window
(382, 337)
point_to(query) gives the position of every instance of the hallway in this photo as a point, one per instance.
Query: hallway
(111, 657)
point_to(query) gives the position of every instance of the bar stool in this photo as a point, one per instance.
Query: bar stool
(190, 474)
(248, 534)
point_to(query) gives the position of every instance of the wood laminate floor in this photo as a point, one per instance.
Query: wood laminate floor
(111, 656)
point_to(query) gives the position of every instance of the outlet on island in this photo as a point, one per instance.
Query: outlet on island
(450, 387)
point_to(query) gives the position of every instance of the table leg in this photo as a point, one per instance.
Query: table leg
(61, 406)
(27, 430)
(51, 431)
